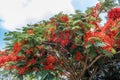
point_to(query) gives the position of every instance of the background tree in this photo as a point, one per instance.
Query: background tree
(74, 46)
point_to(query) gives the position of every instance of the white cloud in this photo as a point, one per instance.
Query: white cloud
(18, 13)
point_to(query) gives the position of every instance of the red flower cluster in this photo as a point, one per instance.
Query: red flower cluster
(62, 37)
(21, 70)
(87, 36)
(64, 18)
(17, 47)
(95, 10)
(78, 56)
(14, 57)
(101, 34)
(49, 63)
(35, 69)
(109, 24)
(114, 14)
(11, 57)
(31, 62)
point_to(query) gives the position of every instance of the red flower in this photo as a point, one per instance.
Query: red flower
(24, 42)
(8, 67)
(112, 33)
(107, 48)
(30, 31)
(87, 36)
(21, 71)
(50, 59)
(49, 63)
(40, 47)
(78, 56)
(14, 67)
(27, 51)
(64, 42)
(49, 67)
(35, 69)
(64, 18)
(3, 52)
(109, 24)
(32, 61)
(1, 60)
(4, 59)
(17, 47)
(73, 46)
(13, 58)
(20, 58)
(114, 14)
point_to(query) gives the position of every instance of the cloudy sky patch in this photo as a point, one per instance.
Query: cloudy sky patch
(17, 13)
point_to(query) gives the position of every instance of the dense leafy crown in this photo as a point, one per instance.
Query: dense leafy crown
(65, 45)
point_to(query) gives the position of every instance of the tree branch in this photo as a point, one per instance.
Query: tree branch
(93, 73)
(84, 68)
(98, 57)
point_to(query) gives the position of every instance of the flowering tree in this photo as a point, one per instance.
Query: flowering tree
(65, 45)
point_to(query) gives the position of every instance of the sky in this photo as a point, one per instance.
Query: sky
(17, 13)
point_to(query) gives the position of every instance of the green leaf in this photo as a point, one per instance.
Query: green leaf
(56, 78)
(20, 77)
(107, 53)
(89, 11)
(117, 35)
(7, 38)
(44, 75)
(99, 44)
(92, 52)
(113, 51)
(77, 21)
(91, 25)
(90, 18)
(75, 27)
(79, 33)
(20, 63)
(88, 45)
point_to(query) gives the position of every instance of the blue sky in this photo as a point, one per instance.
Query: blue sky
(17, 13)
(2, 31)
(83, 4)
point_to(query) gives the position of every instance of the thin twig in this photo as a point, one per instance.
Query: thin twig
(96, 68)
